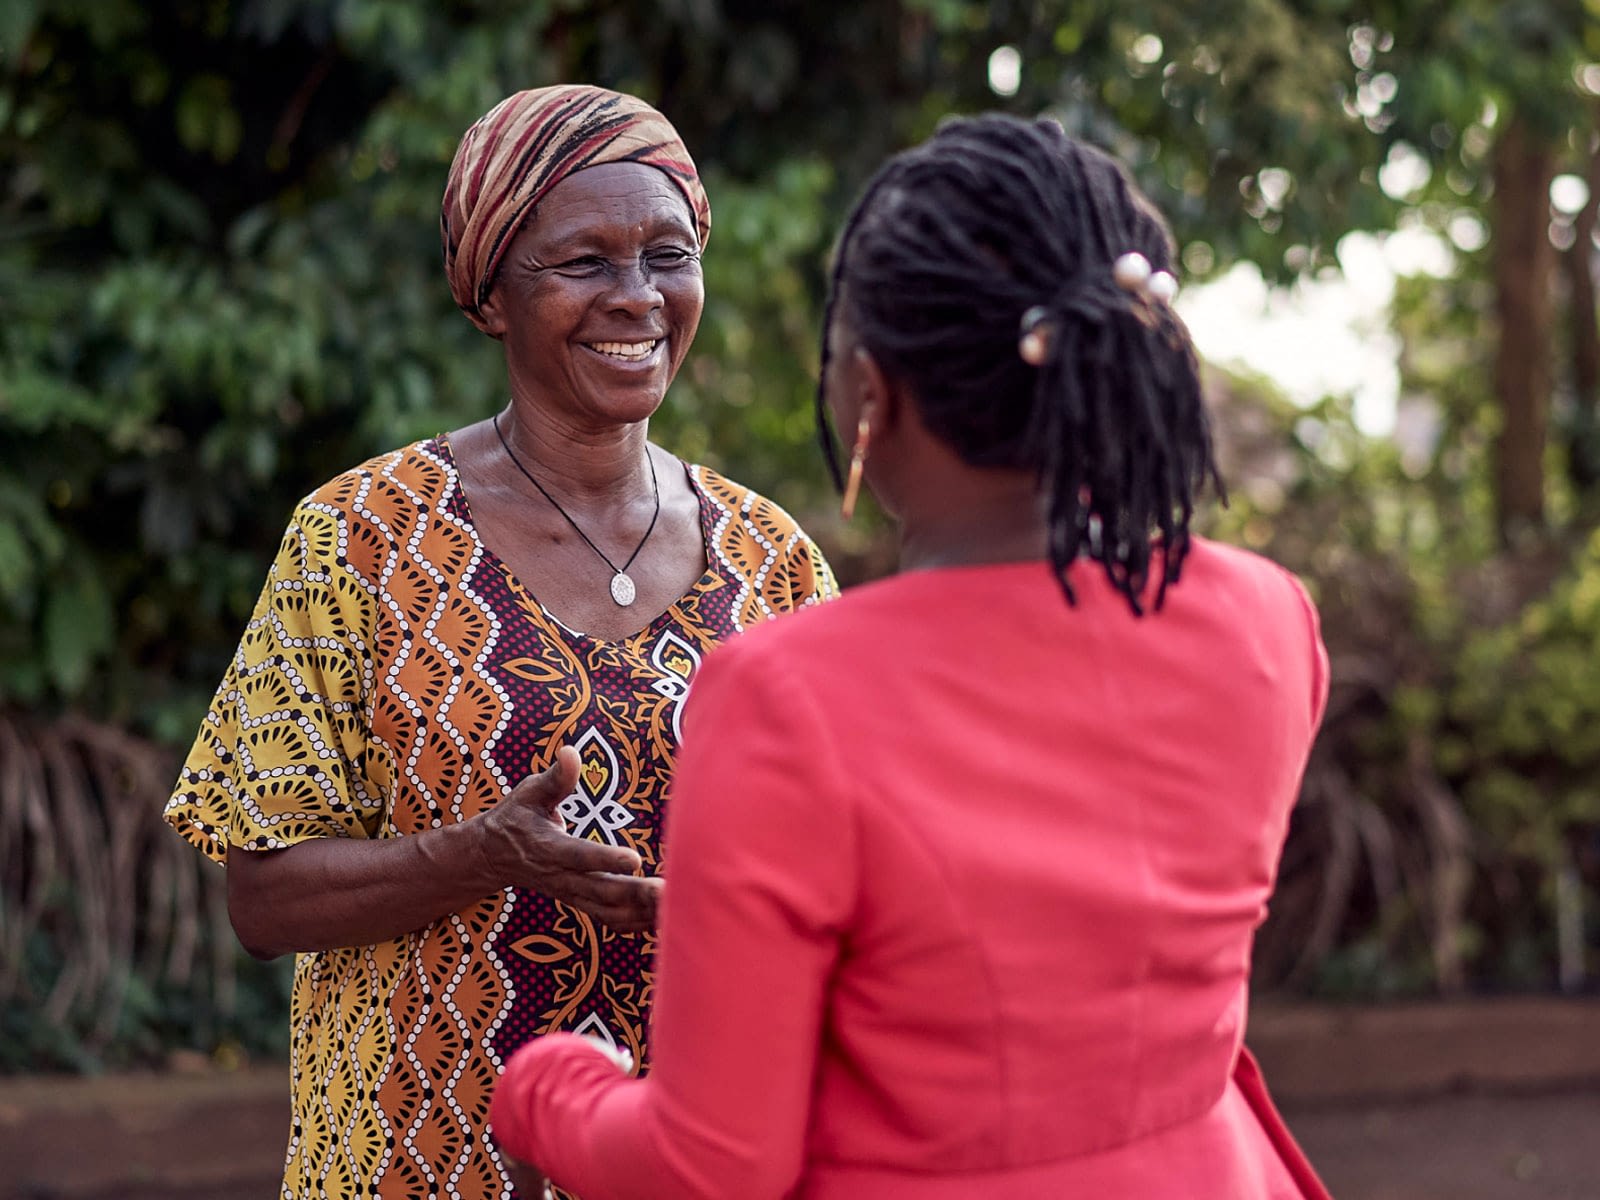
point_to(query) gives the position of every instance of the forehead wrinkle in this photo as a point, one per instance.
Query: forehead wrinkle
(630, 176)
(584, 227)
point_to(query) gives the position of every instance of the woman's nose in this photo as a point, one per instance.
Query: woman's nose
(634, 288)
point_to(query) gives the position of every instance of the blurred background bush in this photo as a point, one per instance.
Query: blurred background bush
(220, 285)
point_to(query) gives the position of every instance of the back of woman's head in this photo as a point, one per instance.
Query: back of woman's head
(980, 270)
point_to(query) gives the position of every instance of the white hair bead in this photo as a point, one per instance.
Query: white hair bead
(1131, 271)
(1163, 287)
(1034, 347)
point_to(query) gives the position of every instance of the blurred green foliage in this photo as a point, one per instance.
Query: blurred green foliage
(220, 285)
(155, 1020)
(1453, 787)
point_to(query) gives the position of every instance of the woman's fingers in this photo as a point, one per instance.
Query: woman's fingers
(550, 786)
(626, 903)
(535, 852)
(561, 853)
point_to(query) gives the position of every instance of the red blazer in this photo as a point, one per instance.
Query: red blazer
(961, 891)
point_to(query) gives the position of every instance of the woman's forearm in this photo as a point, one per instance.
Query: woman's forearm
(329, 892)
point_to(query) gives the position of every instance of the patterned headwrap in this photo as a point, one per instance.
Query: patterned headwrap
(523, 147)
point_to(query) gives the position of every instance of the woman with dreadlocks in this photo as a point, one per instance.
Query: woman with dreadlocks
(970, 861)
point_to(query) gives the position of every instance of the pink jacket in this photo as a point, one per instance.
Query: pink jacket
(962, 886)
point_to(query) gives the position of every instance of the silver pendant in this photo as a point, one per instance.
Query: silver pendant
(622, 589)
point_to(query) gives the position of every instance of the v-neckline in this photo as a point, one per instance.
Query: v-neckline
(708, 577)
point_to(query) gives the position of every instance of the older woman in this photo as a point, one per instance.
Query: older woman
(970, 861)
(468, 643)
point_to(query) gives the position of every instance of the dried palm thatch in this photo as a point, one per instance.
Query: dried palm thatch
(1380, 847)
(94, 888)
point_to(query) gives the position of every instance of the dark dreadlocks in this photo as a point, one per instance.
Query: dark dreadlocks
(946, 249)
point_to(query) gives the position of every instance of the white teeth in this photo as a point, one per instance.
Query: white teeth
(632, 351)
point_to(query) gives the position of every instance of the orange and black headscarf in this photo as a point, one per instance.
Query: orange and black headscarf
(523, 147)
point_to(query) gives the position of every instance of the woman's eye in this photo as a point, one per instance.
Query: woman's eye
(587, 265)
(669, 256)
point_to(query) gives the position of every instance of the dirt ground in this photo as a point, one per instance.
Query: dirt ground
(1469, 1147)
(1435, 1102)
(1487, 1100)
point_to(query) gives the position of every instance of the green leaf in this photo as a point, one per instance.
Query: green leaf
(17, 19)
(79, 628)
(16, 564)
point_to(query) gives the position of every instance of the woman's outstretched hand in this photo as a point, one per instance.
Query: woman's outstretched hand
(526, 845)
(346, 891)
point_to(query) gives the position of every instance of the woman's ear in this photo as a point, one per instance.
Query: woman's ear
(494, 321)
(876, 398)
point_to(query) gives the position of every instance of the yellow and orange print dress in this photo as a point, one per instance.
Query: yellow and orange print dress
(396, 677)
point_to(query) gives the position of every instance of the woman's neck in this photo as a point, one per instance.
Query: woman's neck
(975, 517)
(577, 463)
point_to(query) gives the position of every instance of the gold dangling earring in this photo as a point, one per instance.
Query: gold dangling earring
(858, 464)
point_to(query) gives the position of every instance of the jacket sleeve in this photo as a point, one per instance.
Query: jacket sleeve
(762, 874)
(1319, 656)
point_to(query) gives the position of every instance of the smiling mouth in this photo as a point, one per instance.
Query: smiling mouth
(625, 351)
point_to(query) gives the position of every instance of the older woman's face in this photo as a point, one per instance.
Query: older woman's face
(599, 294)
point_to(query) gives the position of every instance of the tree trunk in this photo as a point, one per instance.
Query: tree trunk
(1524, 261)
(1584, 452)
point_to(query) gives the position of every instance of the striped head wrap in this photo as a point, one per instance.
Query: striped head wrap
(523, 147)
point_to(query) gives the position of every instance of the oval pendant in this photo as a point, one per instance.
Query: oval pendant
(622, 589)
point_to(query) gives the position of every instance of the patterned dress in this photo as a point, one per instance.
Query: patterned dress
(396, 677)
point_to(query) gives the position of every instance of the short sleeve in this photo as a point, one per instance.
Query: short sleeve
(811, 580)
(284, 754)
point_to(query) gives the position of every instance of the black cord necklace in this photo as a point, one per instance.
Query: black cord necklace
(622, 589)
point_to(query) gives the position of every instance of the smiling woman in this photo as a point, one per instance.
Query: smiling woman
(599, 297)
(437, 764)
(597, 301)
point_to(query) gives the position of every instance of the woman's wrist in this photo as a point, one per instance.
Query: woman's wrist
(470, 853)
